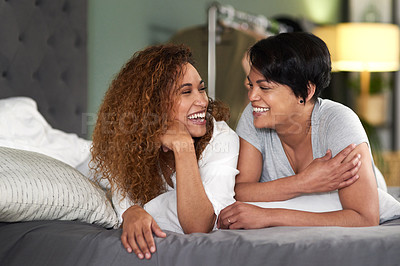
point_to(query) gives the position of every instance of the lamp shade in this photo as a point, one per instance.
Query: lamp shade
(362, 46)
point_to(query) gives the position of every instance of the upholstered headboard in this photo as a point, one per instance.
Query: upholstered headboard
(43, 56)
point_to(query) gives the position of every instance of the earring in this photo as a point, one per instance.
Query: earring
(301, 101)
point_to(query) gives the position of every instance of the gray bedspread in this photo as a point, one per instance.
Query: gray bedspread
(75, 243)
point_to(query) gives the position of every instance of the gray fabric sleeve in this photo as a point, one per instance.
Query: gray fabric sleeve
(246, 130)
(342, 128)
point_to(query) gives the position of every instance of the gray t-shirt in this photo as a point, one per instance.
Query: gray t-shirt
(334, 126)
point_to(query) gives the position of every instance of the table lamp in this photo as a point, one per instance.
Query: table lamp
(364, 48)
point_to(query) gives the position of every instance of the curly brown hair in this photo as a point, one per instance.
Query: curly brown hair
(135, 112)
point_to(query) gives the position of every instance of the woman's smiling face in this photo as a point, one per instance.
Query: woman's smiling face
(273, 104)
(192, 102)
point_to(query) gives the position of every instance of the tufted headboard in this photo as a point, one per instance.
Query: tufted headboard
(43, 56)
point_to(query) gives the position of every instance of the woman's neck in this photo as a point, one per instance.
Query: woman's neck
(298, 129)
(296, 140)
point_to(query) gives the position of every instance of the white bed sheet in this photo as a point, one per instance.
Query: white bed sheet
(23, 127)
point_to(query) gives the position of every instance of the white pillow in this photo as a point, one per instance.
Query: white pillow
(37, 187)
(389, 207)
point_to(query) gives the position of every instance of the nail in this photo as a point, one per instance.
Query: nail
(140, 255)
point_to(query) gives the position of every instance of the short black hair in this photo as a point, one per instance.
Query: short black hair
(293, 59)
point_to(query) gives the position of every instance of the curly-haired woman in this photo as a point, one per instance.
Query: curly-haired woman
(169, 163)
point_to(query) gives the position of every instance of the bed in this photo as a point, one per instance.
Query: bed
(33, 243)
(52, 214)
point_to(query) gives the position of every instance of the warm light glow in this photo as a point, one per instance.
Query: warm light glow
(362, 46)
(322, 11)
(328, 35)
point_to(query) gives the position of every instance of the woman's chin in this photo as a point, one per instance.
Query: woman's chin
(261, 124)
(197, 131)
(257, 124)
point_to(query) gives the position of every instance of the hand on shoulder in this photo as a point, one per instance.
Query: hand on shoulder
(327, 174)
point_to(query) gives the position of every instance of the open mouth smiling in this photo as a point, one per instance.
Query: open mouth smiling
(198, 117)
(260, 109)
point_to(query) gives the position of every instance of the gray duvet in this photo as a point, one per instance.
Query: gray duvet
(75, 243)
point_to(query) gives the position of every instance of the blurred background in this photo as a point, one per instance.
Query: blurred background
(117, 29)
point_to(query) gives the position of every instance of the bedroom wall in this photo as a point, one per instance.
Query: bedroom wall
(116, 29)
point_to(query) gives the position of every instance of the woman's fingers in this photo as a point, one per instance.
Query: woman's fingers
(344, 153)
(350, 176)
(149, 242)
(351, 166)
(143, 245)
(129, 243)
(327, 156)
(247, 216)
(225, 216)
(157, 230)
(354, 165)
(235, 225)
(355, 169)
(225, 223)
(348, 182)
(137, 234)
(125, 242)
(136, 249)
(222, 223)
(328, 174)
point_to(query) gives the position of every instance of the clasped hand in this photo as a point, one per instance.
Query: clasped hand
(241, 215)
(177, 138)
(328, 174)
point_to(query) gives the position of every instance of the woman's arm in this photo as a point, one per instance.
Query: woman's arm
(361, 198)
(195, 211)
(323, 174)
(359, 201)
